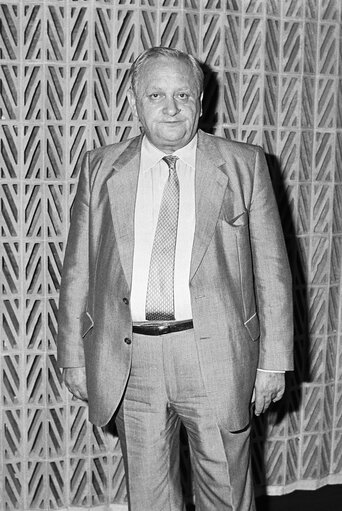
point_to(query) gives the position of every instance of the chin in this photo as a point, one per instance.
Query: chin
(174, 140)
(174, 137)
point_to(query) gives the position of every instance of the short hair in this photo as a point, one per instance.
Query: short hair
(162, 51)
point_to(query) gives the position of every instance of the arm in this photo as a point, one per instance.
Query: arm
(273, 286)
(74, 290)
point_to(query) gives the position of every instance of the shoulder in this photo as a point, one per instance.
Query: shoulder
(100, 162)
(112, 152)
(231, 147)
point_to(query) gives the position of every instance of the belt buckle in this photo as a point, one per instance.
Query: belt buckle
(163, 329)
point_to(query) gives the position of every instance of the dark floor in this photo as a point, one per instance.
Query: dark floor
(328, 498)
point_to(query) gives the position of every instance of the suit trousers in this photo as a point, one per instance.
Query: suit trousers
(165, 388)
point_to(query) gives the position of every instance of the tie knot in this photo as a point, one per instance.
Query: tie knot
(171, 160)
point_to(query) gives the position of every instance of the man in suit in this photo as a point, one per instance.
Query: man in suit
(175, 303)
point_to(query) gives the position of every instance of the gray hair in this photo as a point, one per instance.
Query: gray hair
(172, 53)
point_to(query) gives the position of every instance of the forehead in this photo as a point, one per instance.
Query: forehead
(165, 72)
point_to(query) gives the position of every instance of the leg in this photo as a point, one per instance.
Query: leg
(237, 448)
(220, 459)
(149, 433)
(222, 485)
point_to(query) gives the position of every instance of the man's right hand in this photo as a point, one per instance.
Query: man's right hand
(75, 381)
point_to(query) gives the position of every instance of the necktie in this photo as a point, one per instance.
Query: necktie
(160, 286)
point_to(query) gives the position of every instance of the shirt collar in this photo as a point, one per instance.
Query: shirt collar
(151, 155)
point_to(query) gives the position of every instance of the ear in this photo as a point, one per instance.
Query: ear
(132, 102)
(201, 103)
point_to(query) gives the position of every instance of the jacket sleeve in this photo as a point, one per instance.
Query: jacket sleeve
(272, 275)
(75, 277)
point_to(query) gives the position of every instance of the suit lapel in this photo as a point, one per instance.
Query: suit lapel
(210, 187)
(122, 188)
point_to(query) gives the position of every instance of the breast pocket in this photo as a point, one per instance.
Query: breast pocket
(240, 220)
(235, 217)
(235, 231)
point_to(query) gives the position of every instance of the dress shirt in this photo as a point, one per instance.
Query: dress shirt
(153, 174)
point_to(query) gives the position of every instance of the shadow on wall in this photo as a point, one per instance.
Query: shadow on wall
(208, 119)
(290, 404)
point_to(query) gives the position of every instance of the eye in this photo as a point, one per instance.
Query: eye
(183, 96)
(154, 96)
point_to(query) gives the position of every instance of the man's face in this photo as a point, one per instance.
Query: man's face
(168, 103)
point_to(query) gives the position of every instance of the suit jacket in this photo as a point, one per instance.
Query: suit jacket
(240, 282)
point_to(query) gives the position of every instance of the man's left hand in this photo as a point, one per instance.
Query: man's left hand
(269, 386)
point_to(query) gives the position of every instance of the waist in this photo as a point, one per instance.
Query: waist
(161, 328)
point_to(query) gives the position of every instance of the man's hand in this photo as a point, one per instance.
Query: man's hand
(75, 381)
(269, 386)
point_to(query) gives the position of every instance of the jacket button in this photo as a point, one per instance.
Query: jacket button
(125, 300)
(127, 340)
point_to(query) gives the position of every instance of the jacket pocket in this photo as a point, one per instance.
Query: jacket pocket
(87, 323)
(253, 327)
(239, 220)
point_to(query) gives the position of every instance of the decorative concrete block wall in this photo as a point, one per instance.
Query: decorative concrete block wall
(275, 79)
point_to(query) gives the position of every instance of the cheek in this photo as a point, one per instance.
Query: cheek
(192, 111)
(146, 118)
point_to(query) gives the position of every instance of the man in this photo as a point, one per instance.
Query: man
(175, 302)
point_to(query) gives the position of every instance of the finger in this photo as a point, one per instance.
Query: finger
(278, 396)
(81, 394)
(266, 405)
(78, 395)
(259, 406)
(262, 405)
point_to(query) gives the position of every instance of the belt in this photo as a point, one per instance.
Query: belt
(150, 328)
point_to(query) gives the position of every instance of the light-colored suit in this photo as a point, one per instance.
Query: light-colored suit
(240, 282)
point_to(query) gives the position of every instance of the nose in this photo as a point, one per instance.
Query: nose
(171, 107)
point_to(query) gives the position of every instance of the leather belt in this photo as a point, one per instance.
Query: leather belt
(150, 328)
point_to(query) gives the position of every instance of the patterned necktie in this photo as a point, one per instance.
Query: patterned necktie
(160, 299)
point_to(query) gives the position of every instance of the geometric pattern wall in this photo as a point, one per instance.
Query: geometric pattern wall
(274, 79)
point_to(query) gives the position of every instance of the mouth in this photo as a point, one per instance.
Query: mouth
(173, 122)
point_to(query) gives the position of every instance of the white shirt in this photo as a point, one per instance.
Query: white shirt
(153, 175)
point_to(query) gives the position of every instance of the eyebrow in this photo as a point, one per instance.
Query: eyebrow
(160, 89)
(154, 89)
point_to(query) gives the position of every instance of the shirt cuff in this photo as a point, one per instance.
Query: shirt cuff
(270, 371)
